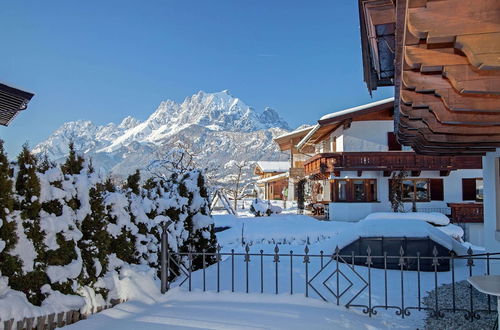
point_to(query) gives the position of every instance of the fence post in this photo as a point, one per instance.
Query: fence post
(164, 256)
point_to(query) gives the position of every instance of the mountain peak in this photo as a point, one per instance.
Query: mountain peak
(218, 113)
(129, 122)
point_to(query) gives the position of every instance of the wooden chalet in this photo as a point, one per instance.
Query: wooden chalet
(443, 59)
(288, 143)
(12, 101)
(350, 155)
(272, 178)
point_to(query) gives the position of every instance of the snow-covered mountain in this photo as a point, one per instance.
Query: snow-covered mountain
(216, 126)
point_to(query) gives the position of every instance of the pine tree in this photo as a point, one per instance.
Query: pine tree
(10, 265)
(28, 190)
(123, 245)
(74, 162)
(66, 252)
(95, 242)
(45, 164)
(200, 238)
(133, 182)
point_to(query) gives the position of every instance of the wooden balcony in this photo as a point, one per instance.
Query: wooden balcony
(466, 212)
(326, 163)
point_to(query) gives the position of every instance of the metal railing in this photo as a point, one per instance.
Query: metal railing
(337, 278)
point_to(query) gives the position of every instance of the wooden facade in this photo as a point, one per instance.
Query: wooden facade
(389, 161)
(445, 69)
(466, 212)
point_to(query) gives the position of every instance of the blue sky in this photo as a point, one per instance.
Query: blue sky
(104, 60)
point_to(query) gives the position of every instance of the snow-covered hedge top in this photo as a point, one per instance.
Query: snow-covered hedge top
(395, 228)
(431, 217)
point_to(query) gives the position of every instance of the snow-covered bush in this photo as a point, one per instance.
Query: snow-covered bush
(259, 208)
(274, 209)
(67, 236)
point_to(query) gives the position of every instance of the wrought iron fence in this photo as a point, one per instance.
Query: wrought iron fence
(332, 276)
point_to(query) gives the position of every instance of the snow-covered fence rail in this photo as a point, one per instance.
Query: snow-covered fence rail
(366, 281)
(53, 320)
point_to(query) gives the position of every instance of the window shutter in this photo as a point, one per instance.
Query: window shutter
(437, 190)
(392, 142)
(469, 189)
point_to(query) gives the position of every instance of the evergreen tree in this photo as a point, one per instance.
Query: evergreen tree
(66, 252)
(10, 265)
(28, 190)
(133, 182)
(123, 245)
(95, 242)
(74, 162)
(45, 164)
(201, 237)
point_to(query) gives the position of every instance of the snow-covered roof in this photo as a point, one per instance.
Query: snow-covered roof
(393, 227)
(273, 178)
(273, 166)
(355, 109)
(301, 129)
(308, 136)
(341, 115)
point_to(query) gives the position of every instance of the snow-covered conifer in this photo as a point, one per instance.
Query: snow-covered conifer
(10, 264)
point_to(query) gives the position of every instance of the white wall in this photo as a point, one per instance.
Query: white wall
(367, 135)
(452, 185)
(474, 232)
(491, 205)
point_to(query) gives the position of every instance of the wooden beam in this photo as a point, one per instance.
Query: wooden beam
(443, 21)
(452, 100)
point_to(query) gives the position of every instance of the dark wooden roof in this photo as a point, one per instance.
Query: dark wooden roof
(446, 72)
(12, 100)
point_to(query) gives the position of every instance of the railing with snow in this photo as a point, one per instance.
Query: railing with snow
(339, 278)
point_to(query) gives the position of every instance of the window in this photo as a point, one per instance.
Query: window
(341, 190)
(415, 190)
(333, 144)
(359, 192)
(472, 189)
(354, 190)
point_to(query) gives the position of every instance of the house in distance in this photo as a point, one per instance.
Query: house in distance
(350, 159)
(272, 178)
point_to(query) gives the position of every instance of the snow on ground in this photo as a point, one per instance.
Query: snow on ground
(179, 309)
(198, 310)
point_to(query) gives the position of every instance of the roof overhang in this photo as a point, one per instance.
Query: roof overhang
(12, 101)
(446, 74)
(285, 141)
(379, 110)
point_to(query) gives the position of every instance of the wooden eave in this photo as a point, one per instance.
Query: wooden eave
(373, 14)
(12, 101)
(288, 141)
(327, 126)
(447, 75)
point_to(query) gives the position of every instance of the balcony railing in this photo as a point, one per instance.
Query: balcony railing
(387, 161)
(466, 212)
